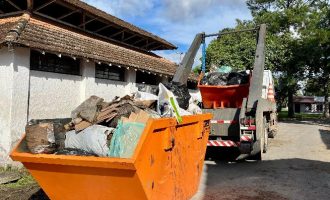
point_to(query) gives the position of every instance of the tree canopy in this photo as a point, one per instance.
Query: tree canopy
(297, 44)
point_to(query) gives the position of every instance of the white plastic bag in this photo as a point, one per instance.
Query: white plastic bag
(92, 139)
(196, 96)
(167, 106)
(195, 99)
(145, 96)
(194, 109)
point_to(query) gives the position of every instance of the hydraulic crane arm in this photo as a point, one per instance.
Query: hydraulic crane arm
(182, 73)
(255, 90)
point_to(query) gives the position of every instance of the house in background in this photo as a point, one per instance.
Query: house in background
(308, 104)
(55, 54)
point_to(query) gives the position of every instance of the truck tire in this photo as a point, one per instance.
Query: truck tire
(272, 133)
(257, 157)
(273, 126)
(263, 142)
(265, 136)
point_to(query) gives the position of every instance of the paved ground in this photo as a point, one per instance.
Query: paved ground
(296, 166)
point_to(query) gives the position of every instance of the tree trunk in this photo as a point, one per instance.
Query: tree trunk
(326, 113)
(290, 103)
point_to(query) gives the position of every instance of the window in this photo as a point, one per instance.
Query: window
(150, 79)
(113, 72)
(319, 107)
(52, 63)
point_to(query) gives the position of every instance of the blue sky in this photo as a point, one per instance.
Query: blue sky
(177, 21)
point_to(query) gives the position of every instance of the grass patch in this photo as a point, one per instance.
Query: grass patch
(301, 116)
(26, 179)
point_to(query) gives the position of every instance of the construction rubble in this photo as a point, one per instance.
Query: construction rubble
(105, 129)
(224, 75)
(222, 79)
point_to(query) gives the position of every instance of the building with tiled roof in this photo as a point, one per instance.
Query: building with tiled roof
(308, 104)
(56, 53)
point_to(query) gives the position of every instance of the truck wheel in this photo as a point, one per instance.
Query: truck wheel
(273, 126)
(258, 156)
(265, 136)
(272, 133)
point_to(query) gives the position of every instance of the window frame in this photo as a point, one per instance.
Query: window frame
(108, 70)
(52, 63)
(149, 79)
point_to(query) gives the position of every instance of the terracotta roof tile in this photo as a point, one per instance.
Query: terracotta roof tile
(303, 99)
(45, 36)
(5, 25)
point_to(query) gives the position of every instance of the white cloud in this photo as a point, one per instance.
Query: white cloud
(122, 8)
(177, 56)
(177, 21)
(187, 10)
(174, 56)
(104, 5)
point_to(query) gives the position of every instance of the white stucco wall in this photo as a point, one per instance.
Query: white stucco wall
(106, 89)
(6, 77)
(27, 94)
(14, 81)
(53, 95)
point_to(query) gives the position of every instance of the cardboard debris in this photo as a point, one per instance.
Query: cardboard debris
(140, 116)
(95, 111)
(82, 125)
(88, 109)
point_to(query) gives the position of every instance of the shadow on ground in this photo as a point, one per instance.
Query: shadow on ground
(319, 122)
(269, 179)
(31, 192)
(325, 136)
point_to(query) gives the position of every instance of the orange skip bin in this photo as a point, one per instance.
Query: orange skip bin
(167, 164)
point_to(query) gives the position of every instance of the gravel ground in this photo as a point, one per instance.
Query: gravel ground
(296, 166)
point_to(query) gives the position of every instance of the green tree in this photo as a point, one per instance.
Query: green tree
(284, 18)
(235, 50)
(315, 37)
(297, 44)
(238, 51)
